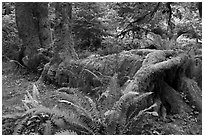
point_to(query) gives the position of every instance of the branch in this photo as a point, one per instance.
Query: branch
(148, 16)
(143, 19)
(13, 61)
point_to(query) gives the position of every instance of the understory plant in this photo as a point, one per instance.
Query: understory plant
(78, 114)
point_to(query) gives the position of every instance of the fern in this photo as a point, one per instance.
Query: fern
(66, 90)
(117, 115)
(51, 118)
(59, 122)
(112, 93)
(48, 129)
(32, 101)
(77, 109)
(119, 108)
(93, 109)
(21, 126)
(128, 87)
(137, 102)
(114, 87)
(123, 100)
(66, 132)
(139, 116)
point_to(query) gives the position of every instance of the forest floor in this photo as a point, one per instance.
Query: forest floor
(16, 83)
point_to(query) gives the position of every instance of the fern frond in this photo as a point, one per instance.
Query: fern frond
(86, 72)
(123, 100)
(136, 103)
(93, 110)
(77, 109)
(93, 125)
(59, 122)
(117, 116)
(20, 126)
(67, 90)
(128, 87)
(141, 97)
(32, 101)
(64, 96)
(35, 93)
(112, 93)
(144, 111)
(48, 129)
(137, 117)
(72, 122)
(113, 85)
(66, 132)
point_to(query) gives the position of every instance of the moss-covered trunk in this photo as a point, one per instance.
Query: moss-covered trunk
(64, 51)
(162, 72)
(43, 24)
(27, 29)
(34, 30)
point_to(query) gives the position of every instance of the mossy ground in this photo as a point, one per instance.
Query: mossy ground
(16, 82)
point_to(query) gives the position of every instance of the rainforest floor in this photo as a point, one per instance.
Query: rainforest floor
(15, 83)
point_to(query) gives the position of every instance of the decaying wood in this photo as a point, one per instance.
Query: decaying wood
(147, 76)
(158, 71)
(192, 91)
(171, 97)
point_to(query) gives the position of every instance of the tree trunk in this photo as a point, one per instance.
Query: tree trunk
(43, 24)
(63, 45)
(27, 29)
(33, 28)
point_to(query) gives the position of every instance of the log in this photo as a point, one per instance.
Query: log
(148, 75)
(172, 98)
(193, 93)
(122, 63)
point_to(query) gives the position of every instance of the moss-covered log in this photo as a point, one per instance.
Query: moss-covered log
(162, 72)
(193, 93)
(147, 76)
(125, 64)
(172, 99)
(146, 69)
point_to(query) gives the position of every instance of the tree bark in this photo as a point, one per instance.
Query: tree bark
(43, 24)
(64, 51)
(34, 30)
(27, 29)
(64, 47)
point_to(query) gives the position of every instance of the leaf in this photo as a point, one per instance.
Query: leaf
(35, 92)
(29, 95)
(66, 132)
(153, 113)
(128, 87)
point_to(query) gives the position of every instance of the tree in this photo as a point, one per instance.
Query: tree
(168, 20)
(64, 51)
(34, 30)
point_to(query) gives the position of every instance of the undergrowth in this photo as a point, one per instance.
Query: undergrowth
(78, 113)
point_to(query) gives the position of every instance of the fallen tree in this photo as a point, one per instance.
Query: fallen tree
(145, 69)
(160, 90)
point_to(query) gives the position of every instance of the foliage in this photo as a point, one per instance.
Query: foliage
(74, 113)
(136, 24)
(104, 28)
(88, 27)
(10, 40)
